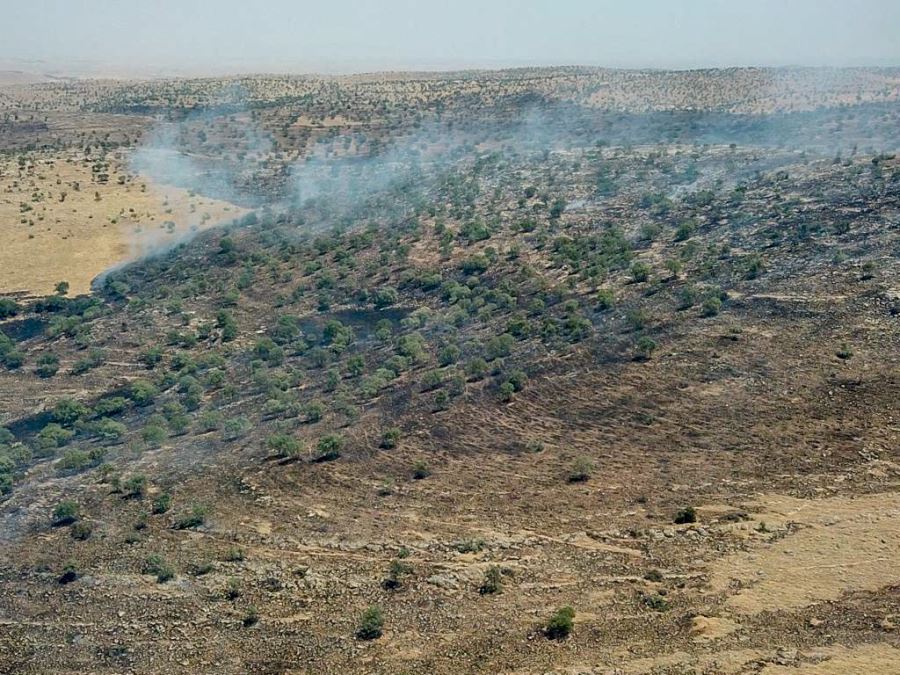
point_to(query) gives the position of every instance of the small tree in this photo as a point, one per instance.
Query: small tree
(561, 623)
(65, 513)
(371, 624)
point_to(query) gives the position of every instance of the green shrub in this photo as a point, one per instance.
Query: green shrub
(644, 348)
(65, 513)
(162, 503)
(235, 428)
(47, 366)
(53, 436)
(142, 392)
(81, 531)
(711, 306)
(561, 623)
(283, 445)
(135, 487)
(329, 448)
(371, 624)
(390, 438)
(640, 272)
(195, 518)
(67, 411)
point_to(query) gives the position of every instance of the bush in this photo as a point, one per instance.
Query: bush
(644, 348)
(8, 308)
(162, 503)
(329, 448)
(195, 518)
(135, 487)
(81, 531)
(235, 428)
(711, 306)
(67, 411)
(581, 470)
(47, 365)
(108, 430)
(53, 436)
(283, 445)
(69, 574)
(686, 515)
(493, 581)
(371, 624)
(640, 272)
(65, 513)
(561, 623)
(421, 470)
(605, 299)
(142, 392)
(156, 564)
(390, 438)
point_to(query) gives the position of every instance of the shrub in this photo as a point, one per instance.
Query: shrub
(109, 430)
(67, 411)
(65, 513)
(135, 487)
(605, 299)
(581, 470)
(195, 518)
(156, 564)
(421, 470)
(154, 435)
(69, 573)
(640, 272)
(492, 582)
(162, 503)
(8, 308)
(142, 392)
(506, 392)
(686, 515)
(711, 306)
(283, 445)
(47, 365)
(329, 448)
(394, 579)
(476, 369)
(53, 436)
(644, 348)
(251, 618)
(371, 624)
(390, 438)
(81, 531)
(235, 428)
(561, 623)
(386, 296)
(656, 602)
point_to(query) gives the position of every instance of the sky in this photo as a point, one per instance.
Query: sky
(234, 36)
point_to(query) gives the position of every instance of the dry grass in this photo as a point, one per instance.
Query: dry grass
(77, 236)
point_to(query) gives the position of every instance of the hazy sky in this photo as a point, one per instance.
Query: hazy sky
(352, 35)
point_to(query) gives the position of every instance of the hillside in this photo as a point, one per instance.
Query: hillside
(518, 351)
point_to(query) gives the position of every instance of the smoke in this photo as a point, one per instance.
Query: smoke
(226, 149)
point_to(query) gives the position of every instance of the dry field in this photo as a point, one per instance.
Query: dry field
(59, 223)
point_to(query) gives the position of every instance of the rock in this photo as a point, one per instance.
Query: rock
(445, 581)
